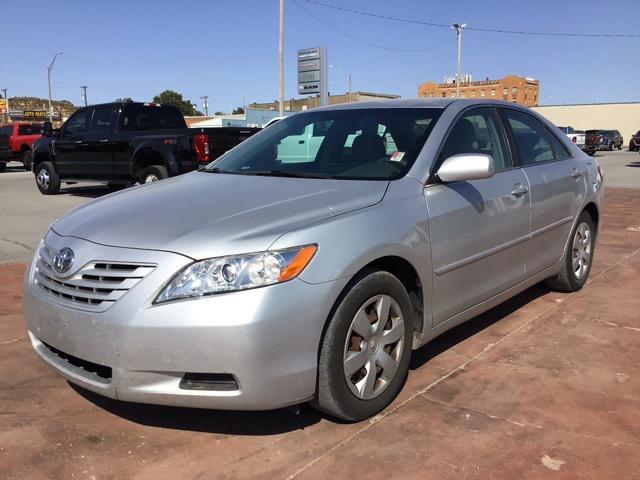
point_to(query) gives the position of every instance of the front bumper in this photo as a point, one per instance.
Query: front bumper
(266, 338)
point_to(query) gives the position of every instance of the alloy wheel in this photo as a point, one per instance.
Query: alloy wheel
(581, 257)
(373, 347)
(152, 177)
(43, 179)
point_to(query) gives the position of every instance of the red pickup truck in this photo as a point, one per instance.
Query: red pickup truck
(16, 143)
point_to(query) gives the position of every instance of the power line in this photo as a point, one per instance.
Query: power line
(365, 42)
(477, 29)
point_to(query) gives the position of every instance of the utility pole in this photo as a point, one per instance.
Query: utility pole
(7, 117)
(49, 69)
(205, 104)
(458, 28)
(347, 75)
(84, 94)
(281, 51)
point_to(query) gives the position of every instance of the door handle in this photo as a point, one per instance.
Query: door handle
(576, 174)
(77, 142)
(104, 140)
(519, 190)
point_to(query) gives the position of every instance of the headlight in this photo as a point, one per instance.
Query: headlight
(226, 274)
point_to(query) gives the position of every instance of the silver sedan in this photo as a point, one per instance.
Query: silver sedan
(309, 261)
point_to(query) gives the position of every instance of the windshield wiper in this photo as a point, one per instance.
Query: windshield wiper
(282, 173)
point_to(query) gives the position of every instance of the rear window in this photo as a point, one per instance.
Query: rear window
(143, 117)
(29, 130)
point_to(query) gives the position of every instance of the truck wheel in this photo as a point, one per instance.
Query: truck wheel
(3, 166)
(578, 257)
(153, 173)
(26, 159)
(47, 179)
(365, 353)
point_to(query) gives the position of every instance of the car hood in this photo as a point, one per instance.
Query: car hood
(203, 215)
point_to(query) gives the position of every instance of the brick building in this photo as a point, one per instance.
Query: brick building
(522, 90)
(297, 104)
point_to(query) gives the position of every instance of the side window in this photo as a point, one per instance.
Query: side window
(101, 120)
(559, 150)
(478, 131)
(532, 140)
(76, 125)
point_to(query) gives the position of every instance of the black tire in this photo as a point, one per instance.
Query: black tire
(567, 280)
(611, 145)
(3, 166)
(27, 157)
(47, 179)
(333, 395)
(153, 173)
(591, 153)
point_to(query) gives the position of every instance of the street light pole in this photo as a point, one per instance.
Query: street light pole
(49, 69)
(458, 28)
(348, 75)
(281, 51)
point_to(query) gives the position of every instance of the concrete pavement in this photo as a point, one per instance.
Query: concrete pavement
(546, 385)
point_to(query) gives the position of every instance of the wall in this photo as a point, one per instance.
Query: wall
(624, 117)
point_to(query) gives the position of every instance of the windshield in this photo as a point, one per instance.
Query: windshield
(358, 144)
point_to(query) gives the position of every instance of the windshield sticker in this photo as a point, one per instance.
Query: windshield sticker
(397, 156)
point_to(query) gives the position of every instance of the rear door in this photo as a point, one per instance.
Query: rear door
(557, 182)
(5, 142)
(98, 145)
(479, 229)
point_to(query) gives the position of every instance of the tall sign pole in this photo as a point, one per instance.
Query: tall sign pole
(281, 51)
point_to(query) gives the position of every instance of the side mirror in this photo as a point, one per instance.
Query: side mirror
(47, 129)
(466, 166)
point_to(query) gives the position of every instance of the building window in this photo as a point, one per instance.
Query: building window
(472, 93)
(444, 94)
(483, 93)
(505, 92)
(514, 91)
(493, 92)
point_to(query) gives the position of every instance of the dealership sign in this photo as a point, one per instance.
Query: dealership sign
(312, 72)
(33, 115)
(3, 106)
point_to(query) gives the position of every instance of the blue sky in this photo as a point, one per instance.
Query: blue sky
(228, 49)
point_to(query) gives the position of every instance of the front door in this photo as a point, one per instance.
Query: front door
(98, 144)
(479, 229)
(69, 146)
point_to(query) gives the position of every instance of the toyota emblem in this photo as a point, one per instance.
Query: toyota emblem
(63, 260)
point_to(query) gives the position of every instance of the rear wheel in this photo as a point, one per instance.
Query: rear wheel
(365, 353)
(153, 173)
(26, 159)
(47, 179)
(578, 257)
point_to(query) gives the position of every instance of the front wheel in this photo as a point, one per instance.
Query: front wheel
(47, 179)
(578, 257)
(153, 173)
(365, 353)
(26, 159)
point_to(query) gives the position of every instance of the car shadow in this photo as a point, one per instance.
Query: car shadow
(87, 191)
(299, 417)
(633, 164)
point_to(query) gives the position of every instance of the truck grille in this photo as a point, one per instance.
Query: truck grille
(95, 287)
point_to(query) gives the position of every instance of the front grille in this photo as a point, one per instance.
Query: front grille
(89, 367)
(96, 286)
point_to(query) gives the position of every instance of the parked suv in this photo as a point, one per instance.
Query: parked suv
(603, 140)
(634, 142)
(123, 143)
(16, 142)
(268, 279)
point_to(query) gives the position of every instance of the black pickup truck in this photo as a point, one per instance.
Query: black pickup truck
(124, 143)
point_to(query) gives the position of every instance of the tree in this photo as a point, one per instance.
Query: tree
(238, 111)
(219, 113)
(170, 97)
